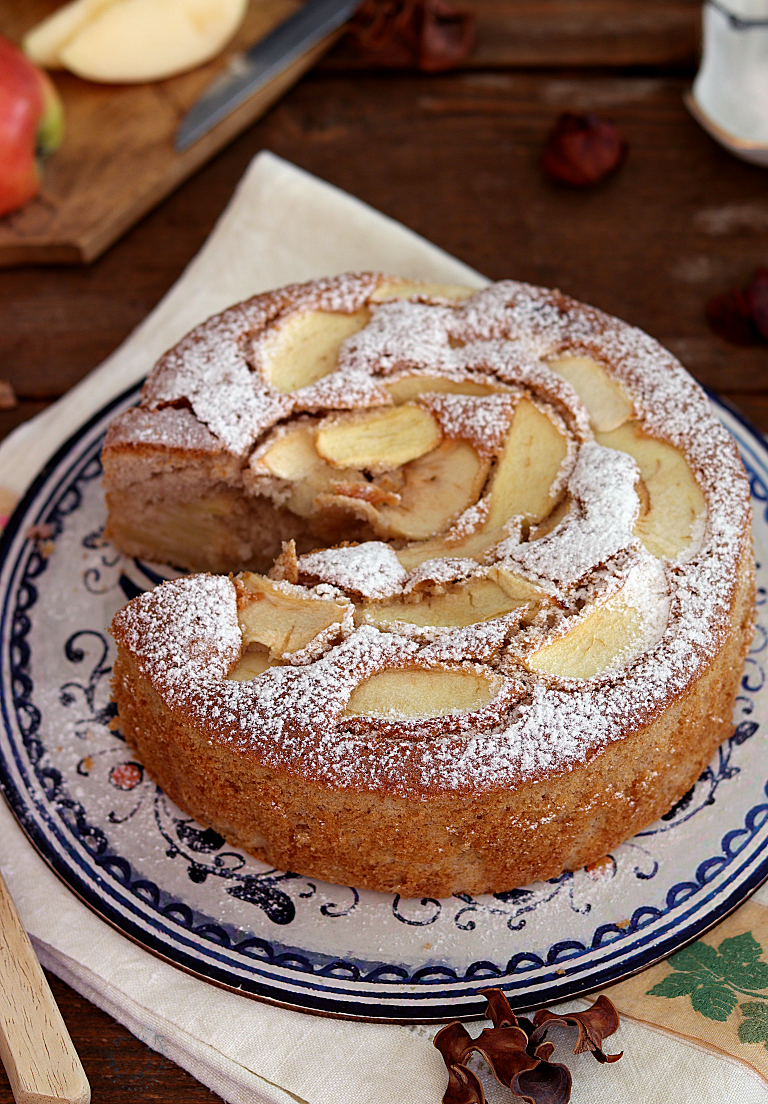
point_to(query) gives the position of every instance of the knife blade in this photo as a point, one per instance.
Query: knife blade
(247, 72)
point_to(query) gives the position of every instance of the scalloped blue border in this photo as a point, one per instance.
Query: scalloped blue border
(62, 499)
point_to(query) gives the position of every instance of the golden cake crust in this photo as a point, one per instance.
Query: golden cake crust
(556, 759)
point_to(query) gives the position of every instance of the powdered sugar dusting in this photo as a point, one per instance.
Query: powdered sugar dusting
(590, 533)
(186, 636)
(483, 421)
(371, 570)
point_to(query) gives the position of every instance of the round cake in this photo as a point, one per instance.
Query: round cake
(511, 585)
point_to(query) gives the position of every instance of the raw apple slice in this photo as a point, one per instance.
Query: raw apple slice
(674, 499)
(415, 692)
(131, 41)
(527, 468)
(305, 347)
(281, 617)
(606, 401)
(43, 42)
(31, 123)
(377, 440)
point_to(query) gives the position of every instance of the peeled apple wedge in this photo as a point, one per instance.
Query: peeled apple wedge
(378, 439)
(254, 661)
(305, 347)
(43, 42)
(423, 693)
(606, 401)
(674, 499)
(527, 468)
(596, 642)
(132, 41)
(436, 489)
(407, 289)
(281, 618)
(477, 600)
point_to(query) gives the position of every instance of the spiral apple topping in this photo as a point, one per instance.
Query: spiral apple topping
(481, 468)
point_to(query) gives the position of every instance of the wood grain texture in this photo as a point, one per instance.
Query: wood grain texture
(456, 158)
(121, 1068)
(585, 33)
(117, 160)
(41, 1063)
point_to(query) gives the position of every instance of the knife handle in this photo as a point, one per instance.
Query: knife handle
(35, 1047)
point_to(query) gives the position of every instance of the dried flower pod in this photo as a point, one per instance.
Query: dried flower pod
(454, 1043)
(594, 1025)
(517, 1051)
(464, 1087)
(582, 149)
(398, 34)
(504, 1050)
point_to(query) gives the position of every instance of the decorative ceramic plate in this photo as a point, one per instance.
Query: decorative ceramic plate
(182, 893)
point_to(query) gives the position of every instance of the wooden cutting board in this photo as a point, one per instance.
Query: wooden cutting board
(117, 159)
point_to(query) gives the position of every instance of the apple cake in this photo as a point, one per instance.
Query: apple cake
(495, 581)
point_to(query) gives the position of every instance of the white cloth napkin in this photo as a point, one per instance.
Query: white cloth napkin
(281, 226)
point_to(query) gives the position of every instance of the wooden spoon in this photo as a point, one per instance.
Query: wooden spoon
(35, 1047)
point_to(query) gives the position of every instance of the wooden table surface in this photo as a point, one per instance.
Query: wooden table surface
(456, 158)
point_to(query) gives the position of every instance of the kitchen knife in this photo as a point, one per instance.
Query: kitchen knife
(247, 72)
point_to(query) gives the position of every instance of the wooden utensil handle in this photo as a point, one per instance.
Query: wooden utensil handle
(35, 1047)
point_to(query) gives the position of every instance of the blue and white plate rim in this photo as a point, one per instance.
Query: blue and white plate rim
(348, 994)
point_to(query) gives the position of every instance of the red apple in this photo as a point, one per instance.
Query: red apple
(31, 123)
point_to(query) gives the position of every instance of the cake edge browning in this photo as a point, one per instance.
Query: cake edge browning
(484, 842)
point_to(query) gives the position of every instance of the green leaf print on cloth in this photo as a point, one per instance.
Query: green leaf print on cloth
(715, 978)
